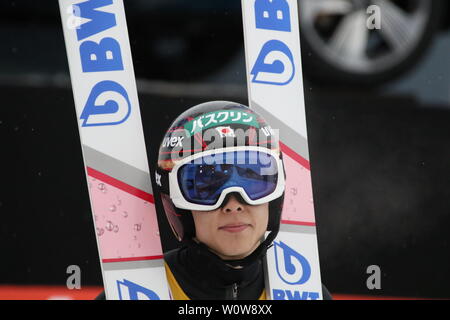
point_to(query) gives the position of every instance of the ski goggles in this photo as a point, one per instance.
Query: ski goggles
(201, 182)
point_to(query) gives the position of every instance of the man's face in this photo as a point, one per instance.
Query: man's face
(233, 231)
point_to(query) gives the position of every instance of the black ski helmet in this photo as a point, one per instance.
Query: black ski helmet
(187, 136)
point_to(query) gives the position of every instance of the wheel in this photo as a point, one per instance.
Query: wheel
(339, 48)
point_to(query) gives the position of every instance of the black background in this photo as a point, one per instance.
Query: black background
(379, 168)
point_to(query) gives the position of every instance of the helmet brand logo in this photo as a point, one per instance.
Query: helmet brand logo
(173, 142)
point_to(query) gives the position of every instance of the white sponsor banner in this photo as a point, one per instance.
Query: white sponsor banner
(137, 284)
(275, 84)
(103, 80)
(294, 270)
(272, 49)
(109, 121)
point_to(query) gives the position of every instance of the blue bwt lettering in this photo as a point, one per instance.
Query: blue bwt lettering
(296, 295)
(278, 294)
(275, 62)
(103, 56)
(273, 15)
(100, 20)
(114, 107)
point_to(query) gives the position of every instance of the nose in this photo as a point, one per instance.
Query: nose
(232, 205)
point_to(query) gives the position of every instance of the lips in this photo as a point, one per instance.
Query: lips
(235, 227)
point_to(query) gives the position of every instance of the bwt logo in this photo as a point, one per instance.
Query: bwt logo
(131, 291)
(108, 102)
(292, 267)
(275, 62)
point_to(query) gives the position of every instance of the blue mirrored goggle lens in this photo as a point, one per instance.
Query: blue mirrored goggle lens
(203, 180)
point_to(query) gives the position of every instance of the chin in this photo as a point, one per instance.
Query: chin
(234, 254)
(234, 257)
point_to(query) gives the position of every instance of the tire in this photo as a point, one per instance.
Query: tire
(335, 51)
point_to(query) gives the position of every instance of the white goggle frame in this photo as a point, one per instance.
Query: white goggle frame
(180, 202)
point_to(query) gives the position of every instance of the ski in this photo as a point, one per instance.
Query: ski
(275, 90)
(113, 148)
